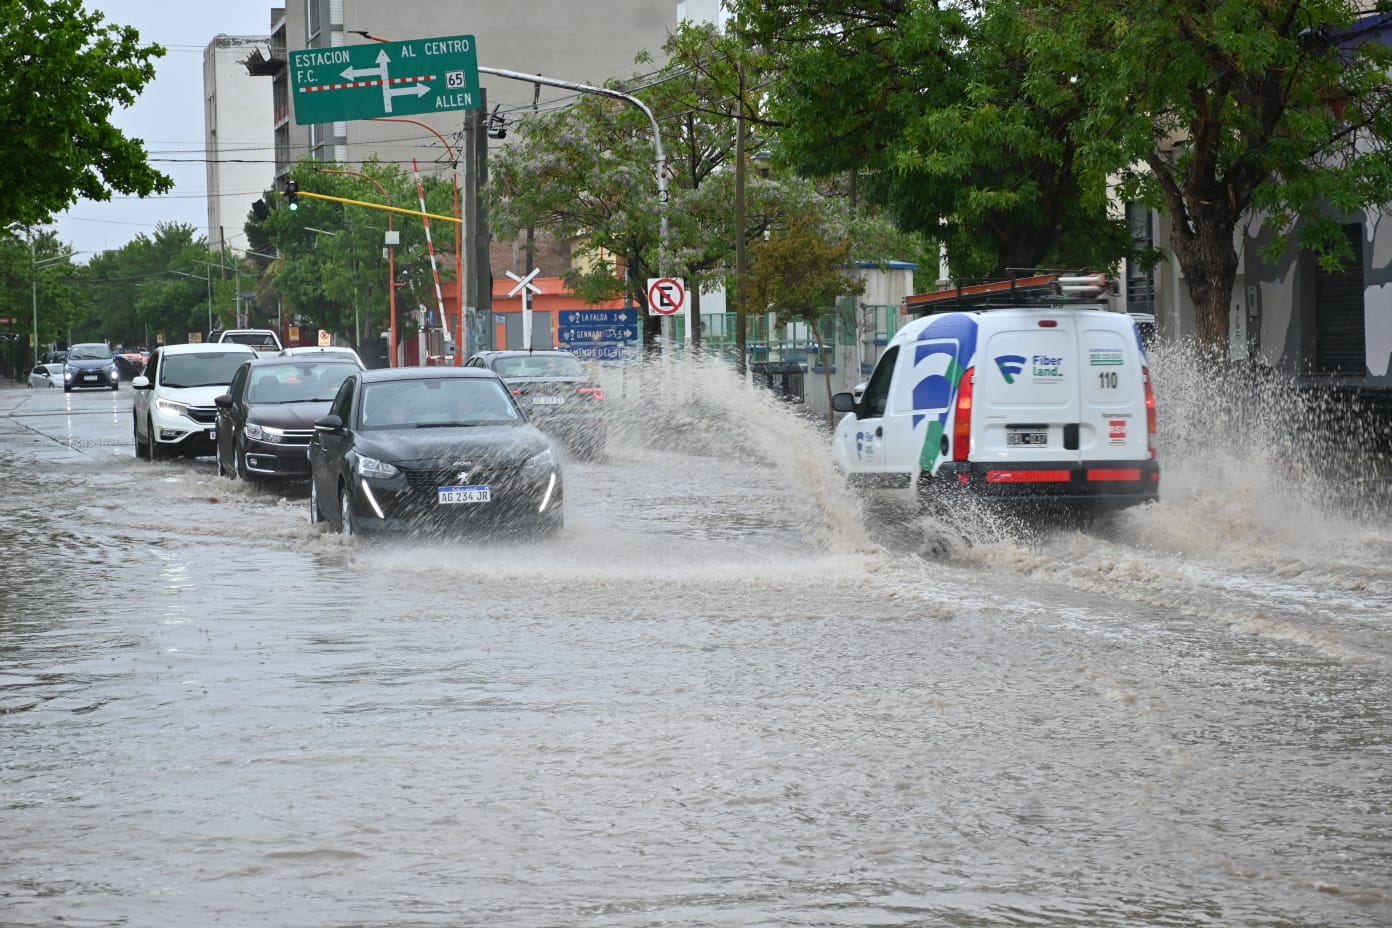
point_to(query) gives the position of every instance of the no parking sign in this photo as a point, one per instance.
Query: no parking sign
(666, 296)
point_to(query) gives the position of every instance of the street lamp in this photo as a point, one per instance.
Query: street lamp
(34, 267)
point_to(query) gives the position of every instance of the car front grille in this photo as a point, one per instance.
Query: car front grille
(204, 414)
(428, 480)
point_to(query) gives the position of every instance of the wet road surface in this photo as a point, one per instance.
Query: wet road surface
(727, 694)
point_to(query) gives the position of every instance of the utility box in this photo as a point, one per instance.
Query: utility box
(784, 378)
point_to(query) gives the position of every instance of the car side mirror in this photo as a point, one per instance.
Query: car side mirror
(223, 402)
(843, 402)
(140, 383)
(329, 423)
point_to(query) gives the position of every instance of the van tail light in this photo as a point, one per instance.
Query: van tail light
(961, 422)
(1152, 432)
(594, 393)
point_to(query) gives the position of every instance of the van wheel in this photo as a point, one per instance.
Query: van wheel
(316, 515)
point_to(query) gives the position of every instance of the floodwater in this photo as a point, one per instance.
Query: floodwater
(727, 694)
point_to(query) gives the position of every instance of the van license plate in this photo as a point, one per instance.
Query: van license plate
(548, 400)
(1016, 439)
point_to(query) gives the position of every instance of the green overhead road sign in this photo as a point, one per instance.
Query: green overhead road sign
(384, 79)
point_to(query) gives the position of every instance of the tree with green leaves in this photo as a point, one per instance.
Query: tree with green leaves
(40, 287)
(799, 273)
(1003, 121)
(585, 174)
(65, 73)
(1217, 110)
(932, 112)
(331, 267)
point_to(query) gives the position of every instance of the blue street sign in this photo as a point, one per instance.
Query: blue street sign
(599, 352)
(575, 333)
(598, 317)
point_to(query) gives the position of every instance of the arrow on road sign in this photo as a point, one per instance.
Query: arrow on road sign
(601, 334)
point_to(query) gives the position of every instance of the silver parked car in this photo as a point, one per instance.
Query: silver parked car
(46, 375)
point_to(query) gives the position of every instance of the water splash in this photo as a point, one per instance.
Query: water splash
(701, 406)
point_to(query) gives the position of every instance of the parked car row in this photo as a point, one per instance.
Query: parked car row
(400, 449)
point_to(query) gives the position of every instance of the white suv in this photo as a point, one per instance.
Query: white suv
(174, 411)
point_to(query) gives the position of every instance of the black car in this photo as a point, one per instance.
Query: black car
(429, 448)
(557, 393)
(266, 417)
(90, 365)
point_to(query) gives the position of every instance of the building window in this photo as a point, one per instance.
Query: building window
(1140, 283)
(1341, 344)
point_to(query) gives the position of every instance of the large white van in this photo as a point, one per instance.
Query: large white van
(1048, 403)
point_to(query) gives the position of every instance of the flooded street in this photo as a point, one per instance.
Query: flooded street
(728, 693)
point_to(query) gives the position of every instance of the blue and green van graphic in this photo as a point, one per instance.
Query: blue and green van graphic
(1010, 366)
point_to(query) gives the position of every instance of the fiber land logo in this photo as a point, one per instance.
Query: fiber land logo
(1010, 366)
(1047, 368)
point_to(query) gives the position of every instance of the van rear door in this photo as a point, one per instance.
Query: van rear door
(1027, 404)
(1113, 424)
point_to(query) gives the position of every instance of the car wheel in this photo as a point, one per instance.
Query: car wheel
(115, 387)
(348, 523)
(221, 468)
(142, 449)
(67, 389)
(156, 452)
(316, 515)
(549, 525)
(238, 456)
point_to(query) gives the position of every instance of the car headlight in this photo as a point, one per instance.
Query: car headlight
(371, 467)
(264, 433)
(67, 373)
(111, 370)
(540, 464)
(171, 407)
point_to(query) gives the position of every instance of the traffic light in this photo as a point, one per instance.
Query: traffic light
(291, 188)
(496, 127)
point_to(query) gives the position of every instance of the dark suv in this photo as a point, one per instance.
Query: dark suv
(556, 392)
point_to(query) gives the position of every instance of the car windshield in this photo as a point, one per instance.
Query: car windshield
(254, 339)
(307, 382)
(204, 369)
(539, 365)
(436, 402)
(89, 353)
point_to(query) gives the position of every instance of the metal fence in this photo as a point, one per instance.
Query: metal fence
(852, 334)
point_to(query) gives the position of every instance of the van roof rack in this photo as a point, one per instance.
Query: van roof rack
(1029, 288)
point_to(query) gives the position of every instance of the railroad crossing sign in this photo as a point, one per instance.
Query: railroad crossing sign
(524, 282)
(385, 79)
(666, 296)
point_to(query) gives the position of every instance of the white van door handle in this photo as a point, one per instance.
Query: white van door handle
(879, 431)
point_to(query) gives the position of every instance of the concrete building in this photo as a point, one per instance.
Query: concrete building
(239, 140)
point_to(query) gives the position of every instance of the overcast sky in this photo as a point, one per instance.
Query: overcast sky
(168, 117)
